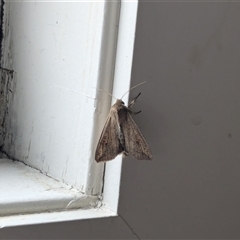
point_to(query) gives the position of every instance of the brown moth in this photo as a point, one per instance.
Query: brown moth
(121, 135)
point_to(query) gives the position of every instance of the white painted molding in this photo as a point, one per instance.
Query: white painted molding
(122, 80)
(101, 103)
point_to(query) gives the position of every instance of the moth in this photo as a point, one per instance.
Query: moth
(121, 135)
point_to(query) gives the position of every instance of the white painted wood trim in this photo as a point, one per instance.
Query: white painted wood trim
(122, 81)
(25, 190)
(122, 78)
(94, 181)
(51, 217)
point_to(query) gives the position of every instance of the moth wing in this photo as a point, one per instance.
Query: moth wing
(109, 146)
(135, 143)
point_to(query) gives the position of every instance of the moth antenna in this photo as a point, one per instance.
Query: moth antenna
(106, 92)
(133, 88)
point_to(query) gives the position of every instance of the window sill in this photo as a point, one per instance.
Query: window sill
(63, 216)
(27, 190)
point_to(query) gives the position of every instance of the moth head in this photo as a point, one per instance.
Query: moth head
(120, 102)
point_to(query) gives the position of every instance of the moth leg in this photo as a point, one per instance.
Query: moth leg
(125, 154)
(131, 104)
(134, 113)
(133, 101)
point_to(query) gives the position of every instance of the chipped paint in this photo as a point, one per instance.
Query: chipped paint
(7, 89)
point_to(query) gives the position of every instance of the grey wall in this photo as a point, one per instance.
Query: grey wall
(189, 53)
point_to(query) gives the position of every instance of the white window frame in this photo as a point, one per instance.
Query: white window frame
(108, 206)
